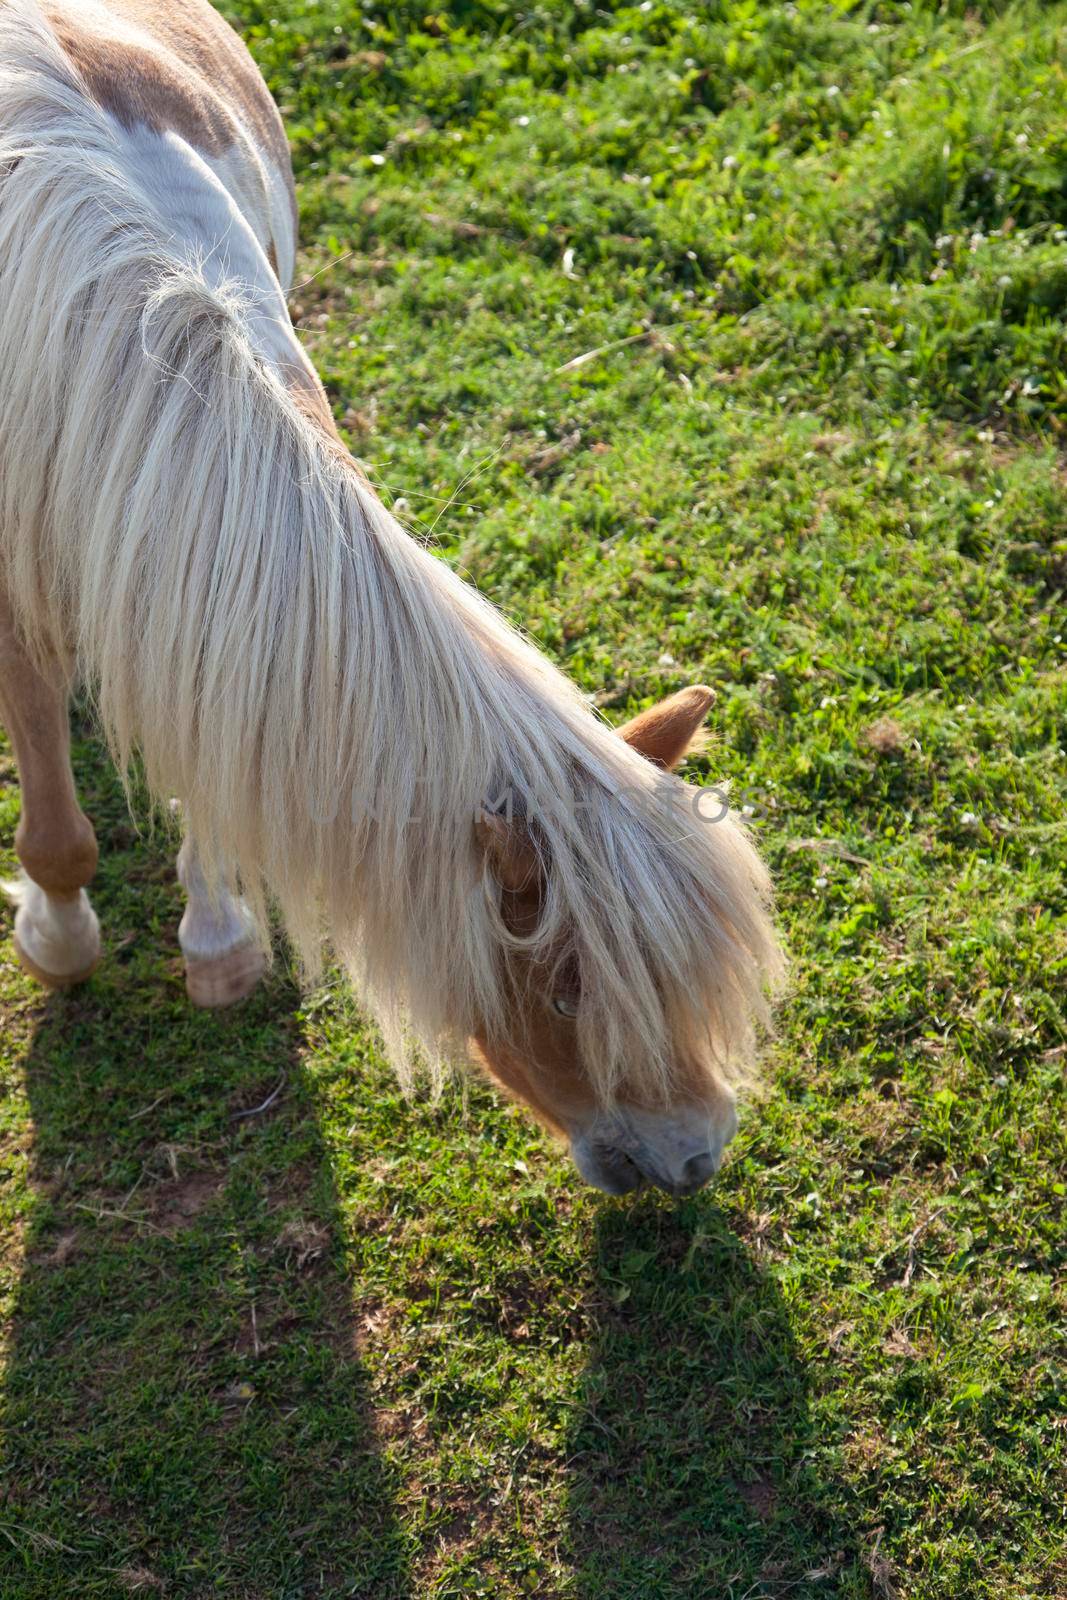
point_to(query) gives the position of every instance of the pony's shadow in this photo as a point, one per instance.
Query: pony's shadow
(185, 1407)
(694, 1456)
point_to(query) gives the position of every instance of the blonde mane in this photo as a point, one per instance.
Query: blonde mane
(333, 706)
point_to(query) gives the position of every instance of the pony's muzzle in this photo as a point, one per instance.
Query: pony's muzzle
(678, 1154)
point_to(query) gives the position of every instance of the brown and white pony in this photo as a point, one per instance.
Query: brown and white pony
(351, 731)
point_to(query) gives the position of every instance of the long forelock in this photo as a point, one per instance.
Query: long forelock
(685, 955)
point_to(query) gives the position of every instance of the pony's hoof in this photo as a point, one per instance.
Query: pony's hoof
(216, 981)
(54, 980)
(62, 947)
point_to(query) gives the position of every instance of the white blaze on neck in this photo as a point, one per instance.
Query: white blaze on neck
(199, 199)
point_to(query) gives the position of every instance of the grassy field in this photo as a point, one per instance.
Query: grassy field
(815, 258)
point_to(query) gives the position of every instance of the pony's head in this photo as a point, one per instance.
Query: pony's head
(666, 1123)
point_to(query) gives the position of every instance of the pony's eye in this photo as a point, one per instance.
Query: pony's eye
(564, 1006)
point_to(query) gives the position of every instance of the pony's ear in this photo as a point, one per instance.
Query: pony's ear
(665, 733)
(510, 851)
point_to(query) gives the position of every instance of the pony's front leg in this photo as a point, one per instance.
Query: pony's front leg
(57, 936)
(224, 957)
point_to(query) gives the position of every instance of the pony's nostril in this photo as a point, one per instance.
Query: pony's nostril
(605, 1166)
(697, 1170)
(618, 1173)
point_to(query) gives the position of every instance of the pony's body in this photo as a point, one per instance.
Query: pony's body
(347, 727)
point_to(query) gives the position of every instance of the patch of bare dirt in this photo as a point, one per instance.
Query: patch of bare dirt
(62, 1250)
(138, 1580)
(466, 1524)
(176, 1205)
(302, 1242)
(761, 1497)
(886, 737)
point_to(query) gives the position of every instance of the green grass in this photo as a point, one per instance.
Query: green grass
(358, 1346)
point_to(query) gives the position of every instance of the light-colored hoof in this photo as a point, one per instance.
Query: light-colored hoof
(54, 980)
(217, 981)
(56, 941)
